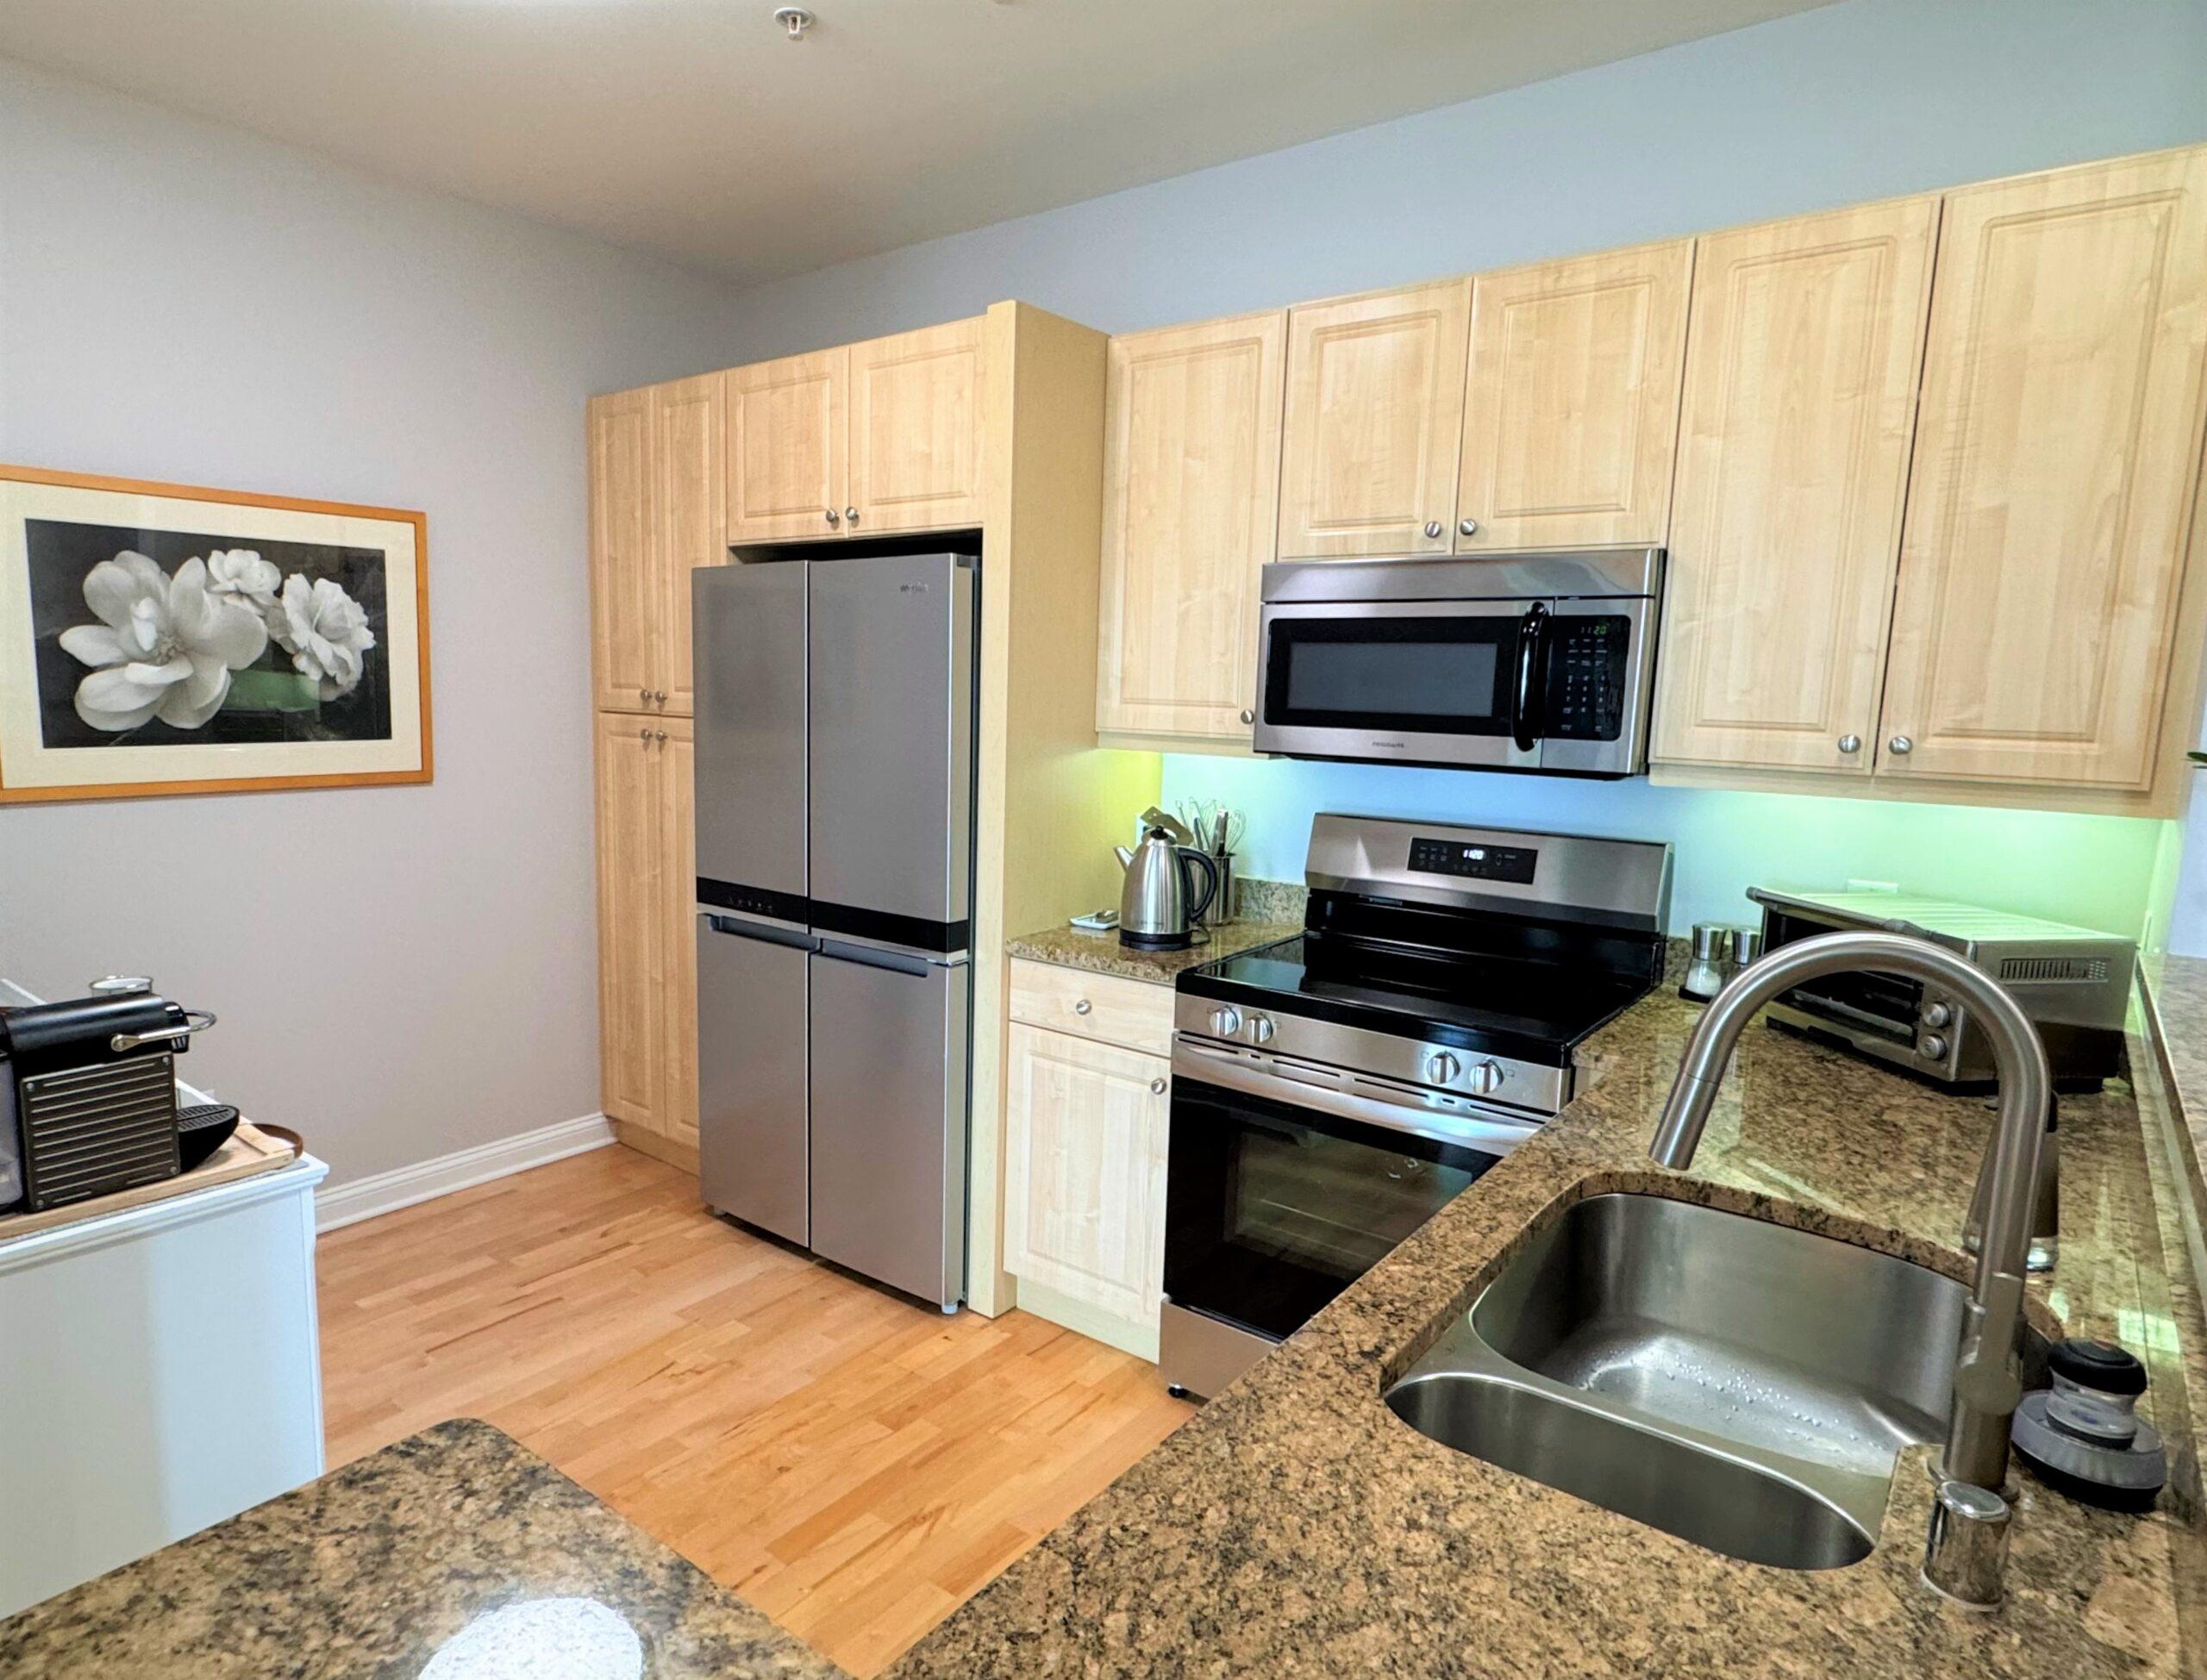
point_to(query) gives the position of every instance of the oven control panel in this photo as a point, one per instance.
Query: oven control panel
(1479, 863)
(1322, 1055)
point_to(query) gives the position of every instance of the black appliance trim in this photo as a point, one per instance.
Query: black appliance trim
(914, 933)
(754, 901)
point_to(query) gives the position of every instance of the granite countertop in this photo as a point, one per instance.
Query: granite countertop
(371, 1568)
(1102, 953)
(1294, 1526)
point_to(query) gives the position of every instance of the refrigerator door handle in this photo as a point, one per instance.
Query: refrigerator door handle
(897, 962)
(766, 932)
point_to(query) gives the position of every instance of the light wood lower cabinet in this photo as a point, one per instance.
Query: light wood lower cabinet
(1570, 403)
(1800, 400)
(1084, 1183)
(1191, 487)
(648, 985)
(2056, 456)
(1374, 423)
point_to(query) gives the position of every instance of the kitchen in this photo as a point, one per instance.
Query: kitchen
(1231, 539)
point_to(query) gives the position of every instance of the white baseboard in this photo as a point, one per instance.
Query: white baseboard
(402, 1187)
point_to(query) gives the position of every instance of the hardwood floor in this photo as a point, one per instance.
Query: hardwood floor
(855, 1464)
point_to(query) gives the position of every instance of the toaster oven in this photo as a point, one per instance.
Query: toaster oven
(2074, 984)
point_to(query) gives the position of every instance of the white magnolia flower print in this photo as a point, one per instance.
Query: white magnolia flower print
(241, 575)
(325, 631)
(163, 647)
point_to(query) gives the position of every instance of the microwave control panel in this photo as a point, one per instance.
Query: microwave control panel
(1588, 671)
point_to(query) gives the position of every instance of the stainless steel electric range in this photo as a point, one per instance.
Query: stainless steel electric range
(1331, 1092)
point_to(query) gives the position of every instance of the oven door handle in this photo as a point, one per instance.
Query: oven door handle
(1325, 1090)
(1526, 705)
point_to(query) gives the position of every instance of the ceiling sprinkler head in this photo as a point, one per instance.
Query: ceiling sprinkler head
(794, 19)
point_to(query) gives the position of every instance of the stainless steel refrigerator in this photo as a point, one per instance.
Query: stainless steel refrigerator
(834, 797)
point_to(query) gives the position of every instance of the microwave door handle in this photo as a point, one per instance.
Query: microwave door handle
(1526, 705)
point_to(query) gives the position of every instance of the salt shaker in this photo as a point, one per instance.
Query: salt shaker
(1705, 976)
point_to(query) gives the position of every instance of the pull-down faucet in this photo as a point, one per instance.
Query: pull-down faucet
(1967, 1536)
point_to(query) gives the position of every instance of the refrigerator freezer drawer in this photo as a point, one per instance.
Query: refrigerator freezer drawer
(889, 1092)
(751, 1074)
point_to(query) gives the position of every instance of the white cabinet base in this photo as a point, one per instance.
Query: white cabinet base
(160, 1372)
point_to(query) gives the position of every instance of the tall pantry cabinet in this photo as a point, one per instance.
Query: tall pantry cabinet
(656, 514)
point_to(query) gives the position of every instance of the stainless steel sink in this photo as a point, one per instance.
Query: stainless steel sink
(1737, 1384)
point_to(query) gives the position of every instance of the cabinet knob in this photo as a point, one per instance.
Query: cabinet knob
(1082, 1005)
(1157, 1088)
(850, 515)
(1470, 527)
(643, 693)
(832, 515)
(1248, 717)
(643, 735)
(1850, 743)
(1433, 527)
(658, 734)
(1901, 744)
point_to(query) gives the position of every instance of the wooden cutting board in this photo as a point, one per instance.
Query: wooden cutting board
(247, 1151)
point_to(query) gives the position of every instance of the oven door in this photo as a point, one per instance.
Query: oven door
(1273, 1207)
(1418, 681)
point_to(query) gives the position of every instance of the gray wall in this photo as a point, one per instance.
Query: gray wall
(400, 972)
(1848, 103)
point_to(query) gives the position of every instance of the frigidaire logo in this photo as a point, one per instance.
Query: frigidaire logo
(912, 588)
(1391, 743)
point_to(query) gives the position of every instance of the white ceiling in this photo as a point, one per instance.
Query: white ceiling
(693, 129)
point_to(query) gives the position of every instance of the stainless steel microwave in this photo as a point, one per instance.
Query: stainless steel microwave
(1523, 662)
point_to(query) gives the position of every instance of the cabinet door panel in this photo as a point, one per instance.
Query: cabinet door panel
(1571, 401)
(786, 434)
(915, 430)
(677, 776)
(1191, 488)
(1374, 426)
(687, 525)
(630, 918)
(623, 599)
(1085, 1174)
(1800, 398)
(2055, 456)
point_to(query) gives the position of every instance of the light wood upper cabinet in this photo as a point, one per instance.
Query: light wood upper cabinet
(1570, 402)
(788, 430)
(1374, 424)
(1191, 485)
(688, 527)
(678, 1109)
(916, 431)
(1085, 1174)
(631, 817)
(2056, 450)
(1800, 398)
(624, 586)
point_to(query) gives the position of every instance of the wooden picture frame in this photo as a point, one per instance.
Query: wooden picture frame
(164, 699)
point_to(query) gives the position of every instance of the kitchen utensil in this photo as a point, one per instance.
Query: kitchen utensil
(1175, 830)
(1156, 908)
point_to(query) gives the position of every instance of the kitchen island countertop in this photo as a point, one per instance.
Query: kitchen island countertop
(370, 1570)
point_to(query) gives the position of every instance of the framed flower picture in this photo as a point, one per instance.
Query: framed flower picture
(164, 638)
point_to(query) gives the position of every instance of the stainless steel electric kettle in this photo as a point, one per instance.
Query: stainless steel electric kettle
(1154, 911)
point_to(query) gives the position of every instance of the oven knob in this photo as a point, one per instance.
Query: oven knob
(1261, 1029)
(1938, 1014)
(1226, 1021)
(1440, 1067)
(1932, 1047)
(1484, 1078)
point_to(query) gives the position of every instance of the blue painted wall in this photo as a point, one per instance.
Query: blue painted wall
(1851, 102)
